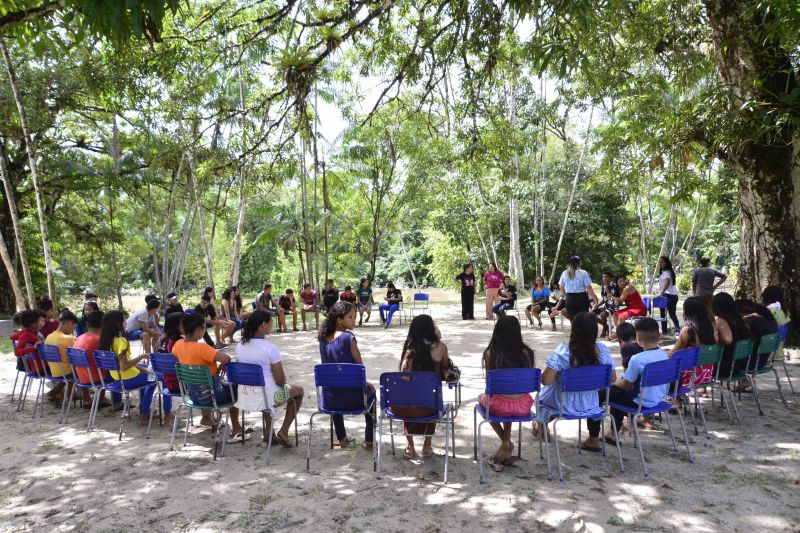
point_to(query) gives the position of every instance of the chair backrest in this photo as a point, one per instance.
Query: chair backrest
(769, 343)
(586, 378)
(106, 360)
(513, 380)
(163, 363)
(659, 302)
(340, 375)
(49, 353)
(421, 297)
(783, 331)
(411, 389)
(247, 374)
(687, 357)
(77, 357)
(199, 375)
(710, 354)
(743, 349)
(660, 372)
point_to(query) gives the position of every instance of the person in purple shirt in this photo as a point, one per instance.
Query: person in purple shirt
(338, 345)
(493, 278)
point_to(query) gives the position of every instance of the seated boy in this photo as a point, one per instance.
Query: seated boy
(625, 390)
(191, 352)
(63, 338)
(348, 295)
(309, 298)
(289, 306)
(628, 346)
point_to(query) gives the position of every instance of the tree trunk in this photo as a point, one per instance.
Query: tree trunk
(12, 275)
(515, 268)
(167, 277)
(755, 66)
(156, 270)
(31, 151)
(572, 194)
(304, 207)
(237, 241)
(115, 156)
(12, 209)
(196, 197)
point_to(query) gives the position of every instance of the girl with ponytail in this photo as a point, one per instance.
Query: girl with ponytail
(256, 349)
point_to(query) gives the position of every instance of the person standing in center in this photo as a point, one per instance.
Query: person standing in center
(703, 278)
(467, 280)
(493, 278)
(577, 285)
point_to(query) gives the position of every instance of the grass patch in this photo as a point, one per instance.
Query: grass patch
(45, 446)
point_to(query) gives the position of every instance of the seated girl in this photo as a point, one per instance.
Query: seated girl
(255, 349)
(508, 297)
(423, 351)
(112, 338)
(630, 297)
(761, 322)
(540, 303)
(697, 330)
(731, 328)
(338, 345)
(582, 350)
(229, 310)
(506, 350)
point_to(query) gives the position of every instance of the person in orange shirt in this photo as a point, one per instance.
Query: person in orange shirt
(191, 352)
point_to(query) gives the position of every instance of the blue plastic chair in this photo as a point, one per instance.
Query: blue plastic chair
(582, 379)
(420, 303)
(648, 305)
(107, 360)
(660, 302)
(340, 376)
(783, 331)
(505, 381)
(162, 363)
(252, 375)
(654, 374)
(29, 361)
(49, 353)
(16, 378)
(78, 359)
(413, 389)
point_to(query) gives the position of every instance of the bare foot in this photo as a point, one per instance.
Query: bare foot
(409, 452)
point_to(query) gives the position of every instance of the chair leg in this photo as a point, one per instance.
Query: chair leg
(789, 379)
(93, 410)
(619, 449)
(69, 403)
(308, 446)
(685, 437)
(447, 429)
(519, 441)
(543, 433)
(38, 396)
(175, 426)
(22, 393)
(150, 423)
(126, 409)
(699, 406)
(641, 448)
(735, 408)
(391, 433)
(579, 436)
(378, 446)
(14, 389)
(672, 433)
(752, 380)
(558, 450)
(269, 439)
(480, 454)
(780, 388)
(331, 431)
(186, 432)
(475, 433)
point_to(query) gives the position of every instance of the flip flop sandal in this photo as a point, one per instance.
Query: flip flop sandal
(497, 467)
(280, 440)
(591, 448)
(238, 437)
(409, 454)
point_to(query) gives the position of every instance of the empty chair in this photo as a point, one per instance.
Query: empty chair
(420, 303)
(767, 347)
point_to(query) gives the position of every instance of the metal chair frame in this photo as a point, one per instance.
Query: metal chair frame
(78, 358)
(50, 353)
(108, 361)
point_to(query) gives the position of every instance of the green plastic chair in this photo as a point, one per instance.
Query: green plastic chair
(200, 376)
(742, 351)
(769, 345)
(710, 354)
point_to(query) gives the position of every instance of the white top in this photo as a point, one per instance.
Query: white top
(263, 353)
(663, 279)
(134, 321)
(577, 284)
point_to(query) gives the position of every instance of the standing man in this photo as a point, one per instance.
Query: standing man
(467, 280)
(703, 285)
(492, 279)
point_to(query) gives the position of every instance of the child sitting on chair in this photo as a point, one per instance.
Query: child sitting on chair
(506, 350)
(625, 391)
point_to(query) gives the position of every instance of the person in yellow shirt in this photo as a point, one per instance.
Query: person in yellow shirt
(112, 338)
(63, 338)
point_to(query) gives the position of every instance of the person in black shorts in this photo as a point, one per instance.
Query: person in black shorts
(287, 302)
(606, 307)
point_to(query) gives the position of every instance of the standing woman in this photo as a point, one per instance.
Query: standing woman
(493, 278)
(577, 285)
(667, 289)
(467, 280)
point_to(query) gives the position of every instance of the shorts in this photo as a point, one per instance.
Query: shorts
(505, 407)
(133, 335)
(222, 393)
(364, 306)
(630, 313)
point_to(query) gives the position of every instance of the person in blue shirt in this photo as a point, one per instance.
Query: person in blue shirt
(508, 297)
(576, 284)
(625, 390)
(540, 302)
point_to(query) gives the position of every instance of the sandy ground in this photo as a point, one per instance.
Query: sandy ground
(60, 478)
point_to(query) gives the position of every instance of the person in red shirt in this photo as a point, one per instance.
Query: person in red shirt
(308, 297)
(632, 300)
(493, 278)
(50, 314)
(28, 342)
(89, 342)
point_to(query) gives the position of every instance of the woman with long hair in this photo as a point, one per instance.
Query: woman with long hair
(364, 305)
(492, 280)
(89, 306)
(241, 312)
(581, 350)
(630, 296)
(731, 328)
(112, 338)
(50, 315)
(668, 289)
(229, 311)
(423, 351)
(467, 282)
(761, 322)
(540, 303)
(256, 349)
(506, 350)
(337, 344)
(576, 284)
(697, 330)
